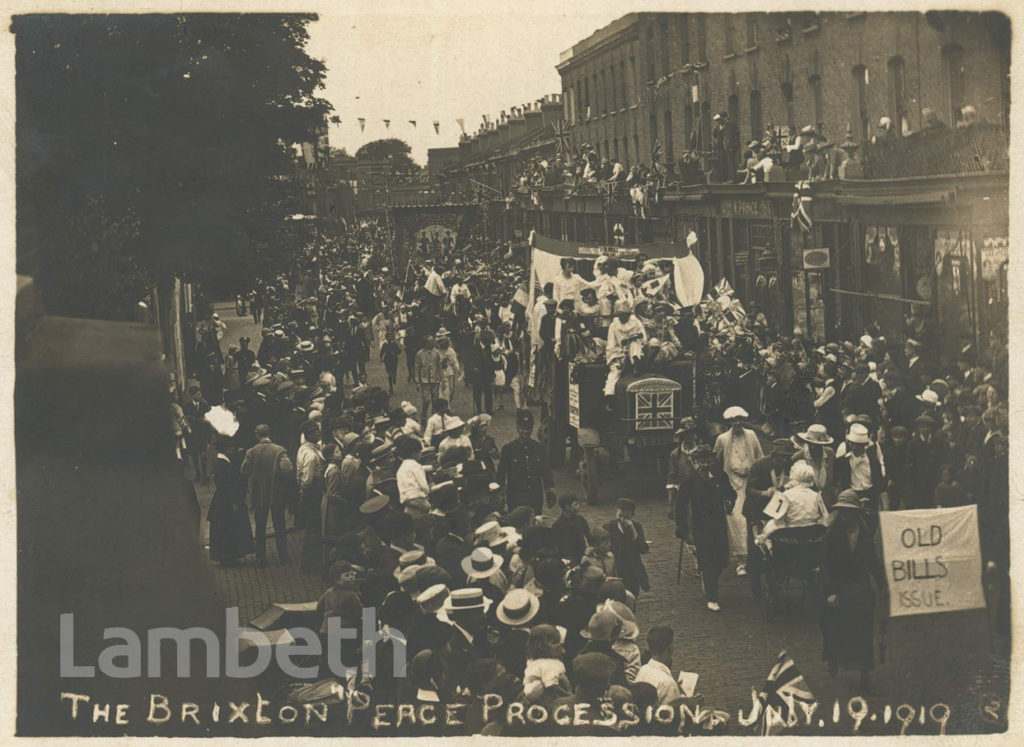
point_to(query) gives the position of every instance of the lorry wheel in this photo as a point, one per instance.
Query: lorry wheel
(590, 475)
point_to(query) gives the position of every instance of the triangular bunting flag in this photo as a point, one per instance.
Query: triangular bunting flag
(462, 125)
(362, 123)
(412, 122)
(437, 127)
(387, 124)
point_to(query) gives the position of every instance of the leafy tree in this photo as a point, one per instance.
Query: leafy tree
(392, 149)
(177, 126)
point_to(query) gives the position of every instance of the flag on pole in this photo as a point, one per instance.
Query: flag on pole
(362, 123)
(802, 199)
(387, 124)
(412, 122)
(437, 127)
(561, 128)
(780, 696)
(462, 124)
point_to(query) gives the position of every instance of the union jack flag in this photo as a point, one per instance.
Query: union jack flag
(561, 128)
(657, 156)
(654, 410)
(801, 207)
(780, 696)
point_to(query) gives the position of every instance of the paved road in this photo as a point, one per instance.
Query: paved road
(931, 658)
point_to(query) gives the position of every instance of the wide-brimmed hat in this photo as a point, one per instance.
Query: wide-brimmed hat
(450, 424)
(848, 499)
(858, 434)
(481, 563)
(381, 452)
(603, 626)
(929, 397)
(630, 630)
(374, 505)
(815, 434)
(442, 334)
(469, 598)
(407, 575)
(735, 413)
(408, 408)
(623, 307)
(518, 608)
(306, 346)
(506, 536)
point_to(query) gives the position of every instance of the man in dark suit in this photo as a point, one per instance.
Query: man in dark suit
(523, 469)
(268, 469)
(862, 396)
(197, 438)
(925, 454)
(767, 475)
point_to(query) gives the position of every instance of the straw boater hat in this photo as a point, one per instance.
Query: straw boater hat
(816, 434)
(518, 608)
(486, 533)
(412, 558)
(929, 398)
(433, 598)
(470, 598)
(481, 563)
(442, 334)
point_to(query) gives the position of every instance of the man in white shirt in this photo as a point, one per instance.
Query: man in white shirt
(658, 670)
(569, 284)
(433, 283)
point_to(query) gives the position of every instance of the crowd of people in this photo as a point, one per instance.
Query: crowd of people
(410, 508)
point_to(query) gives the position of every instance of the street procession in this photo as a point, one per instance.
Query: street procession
(603, 422)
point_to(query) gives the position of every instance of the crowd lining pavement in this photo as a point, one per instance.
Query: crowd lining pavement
(931, 659)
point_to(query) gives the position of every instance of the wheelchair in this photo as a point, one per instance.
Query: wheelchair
(790, 560)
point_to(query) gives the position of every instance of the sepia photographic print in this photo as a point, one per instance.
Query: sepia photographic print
(549, 370)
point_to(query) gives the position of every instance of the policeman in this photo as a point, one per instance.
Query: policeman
(523, 469)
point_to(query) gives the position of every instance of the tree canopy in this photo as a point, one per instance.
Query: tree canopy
(394, 150)
(150, 145)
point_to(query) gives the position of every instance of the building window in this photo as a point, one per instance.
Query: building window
(586, 98)
(702, 38)
(635, 91)
(684, 40)
(751, 30)
(597, 97)
(615, 89)
(953, 57)
(654, 132)
(814, 83)
(604, 92)
(729, 42)
(756, 117)
(897, 94)
(663, 39)
(650, 53)
(615, 145)
(670, 155)
(787, 97)
(622, 84)
(688, 125)
(607, 150)
(636, 148)
(859, 95)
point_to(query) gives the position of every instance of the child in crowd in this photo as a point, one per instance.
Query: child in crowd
(599, 554)
(545, 675)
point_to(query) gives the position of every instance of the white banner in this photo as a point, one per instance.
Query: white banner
(932, 560)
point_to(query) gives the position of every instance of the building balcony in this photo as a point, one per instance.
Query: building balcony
(977, 148)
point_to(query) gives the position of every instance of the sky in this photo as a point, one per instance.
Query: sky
(441, 61)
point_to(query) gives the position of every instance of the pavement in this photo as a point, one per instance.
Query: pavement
(931, 659)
